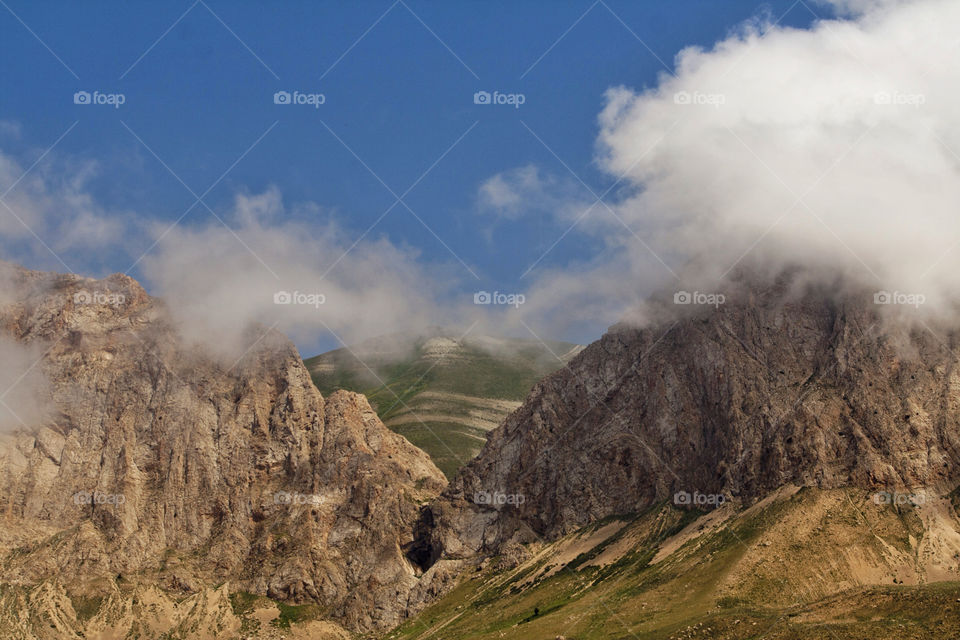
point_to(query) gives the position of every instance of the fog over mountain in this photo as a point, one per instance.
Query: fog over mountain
(869, 185)
(698, 187)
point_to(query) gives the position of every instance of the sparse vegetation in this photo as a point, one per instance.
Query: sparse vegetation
(444, 422)
(293, 613)
(723, 582)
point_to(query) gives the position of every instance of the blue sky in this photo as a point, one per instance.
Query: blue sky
(398, 80)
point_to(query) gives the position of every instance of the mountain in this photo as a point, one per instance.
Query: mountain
(168, 494)
(801, 564)
(783, 465)
(627, 453)
(442, 391)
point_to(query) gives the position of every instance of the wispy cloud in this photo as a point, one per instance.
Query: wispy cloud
(216, 288)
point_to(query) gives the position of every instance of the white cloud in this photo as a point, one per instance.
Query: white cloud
(24, 391)
(833, 147)
(860, 7)
(217, 281)
(528, 191)
(511, 194)
(52, 201)
(836, 146)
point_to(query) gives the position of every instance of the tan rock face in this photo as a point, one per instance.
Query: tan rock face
(161, 465)
(776, 386)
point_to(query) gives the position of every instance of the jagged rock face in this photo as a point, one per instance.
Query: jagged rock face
(774, 387)
(161, 465)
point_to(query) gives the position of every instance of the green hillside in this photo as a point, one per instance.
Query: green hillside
(806, 565)
(442, 392)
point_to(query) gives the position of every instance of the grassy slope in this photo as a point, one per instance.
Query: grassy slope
(471, 371)
(723, 582)
(808, 565)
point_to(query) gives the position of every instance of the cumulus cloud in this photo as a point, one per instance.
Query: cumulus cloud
(835, 147)
(859, 7)
(277, 266)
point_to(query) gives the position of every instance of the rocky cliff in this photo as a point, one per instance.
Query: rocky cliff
(782, 383)
(157, 465)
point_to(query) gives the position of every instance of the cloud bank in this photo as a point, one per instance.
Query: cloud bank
(833, 147)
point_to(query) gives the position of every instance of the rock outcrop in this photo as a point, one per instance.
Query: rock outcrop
(158, 465)
(784, 383)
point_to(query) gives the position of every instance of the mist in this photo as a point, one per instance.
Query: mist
(269, 265)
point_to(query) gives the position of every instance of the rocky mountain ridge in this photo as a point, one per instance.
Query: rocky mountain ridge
(158, 465)
(164, 480)
(784, 383)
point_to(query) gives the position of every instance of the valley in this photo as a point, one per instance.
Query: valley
(442, 391)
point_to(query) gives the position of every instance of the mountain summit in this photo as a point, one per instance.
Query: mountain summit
(785, 383)
(165, 483)
(781, 464)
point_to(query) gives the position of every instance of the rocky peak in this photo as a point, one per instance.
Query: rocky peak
(788, 382)
(158, 464)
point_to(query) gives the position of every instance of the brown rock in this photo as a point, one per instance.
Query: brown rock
(783, 384)
(170, 467)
